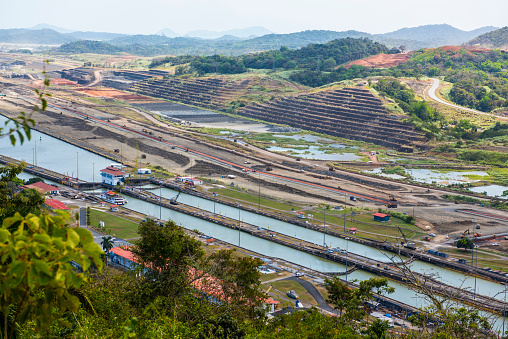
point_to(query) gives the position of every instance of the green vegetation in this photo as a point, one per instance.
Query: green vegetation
(494, 203)
(253, 199)
(494, 39)
(465, 243)
(399, 170)
(115, 225)
(333, 53)
(89, 46)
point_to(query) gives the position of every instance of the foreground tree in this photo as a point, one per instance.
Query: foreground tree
(174, 265)
(37, 281)
(349, 300)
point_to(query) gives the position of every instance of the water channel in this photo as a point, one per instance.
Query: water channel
(61, 157)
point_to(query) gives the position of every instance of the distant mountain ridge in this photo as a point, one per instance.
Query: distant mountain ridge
(438, 35)
(494, 39)
(28, 36)
(414, 38)
(239, 33)
(53, 27)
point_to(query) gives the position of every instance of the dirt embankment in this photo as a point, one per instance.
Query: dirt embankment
(350, 178)
(381, 60)
(141, 146)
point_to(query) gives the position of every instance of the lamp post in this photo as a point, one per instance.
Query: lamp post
(347, 254)
(472, 267)
(324, 226)
(239, 224)
(77, 167)
(259, 191)
(33, 162)
(504, 310)
(345, 213)
(160, 201)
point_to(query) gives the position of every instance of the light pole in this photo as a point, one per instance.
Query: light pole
(504, 309)
(160, 202)
(259, 190)
(347, 254)
(35, 153)
(93, 177)
(77, 167)
(239, 224)
(472, 267)
(33, 162)
(345, 213)
(324, 226)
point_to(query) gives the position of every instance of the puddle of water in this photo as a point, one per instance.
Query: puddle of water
(430, 176)
(492, 190)
(315, 139)
(313, 152)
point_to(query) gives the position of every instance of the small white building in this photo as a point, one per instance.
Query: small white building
(113, 176)
(144, 171)
(190, 180)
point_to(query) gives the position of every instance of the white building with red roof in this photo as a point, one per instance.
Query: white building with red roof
(43, 188)
(55, 204)
(113, 176)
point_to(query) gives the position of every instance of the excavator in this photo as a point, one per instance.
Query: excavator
(173, 201)
(407, 244)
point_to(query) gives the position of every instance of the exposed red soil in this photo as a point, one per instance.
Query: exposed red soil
(381, 60)
(111, 93)
(54, 82)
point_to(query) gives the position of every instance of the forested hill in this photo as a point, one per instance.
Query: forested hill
(494, 39)
(325, 56)
(89, 46)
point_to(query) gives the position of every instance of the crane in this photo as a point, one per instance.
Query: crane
(407, 244)
(173, 201)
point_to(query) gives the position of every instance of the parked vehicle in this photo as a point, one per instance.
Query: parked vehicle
(292, 294)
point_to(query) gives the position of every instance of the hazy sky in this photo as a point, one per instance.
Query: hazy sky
(280, 16)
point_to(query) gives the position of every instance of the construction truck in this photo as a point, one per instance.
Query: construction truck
(392, 197)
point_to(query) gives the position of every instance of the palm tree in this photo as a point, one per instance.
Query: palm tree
(107, 243)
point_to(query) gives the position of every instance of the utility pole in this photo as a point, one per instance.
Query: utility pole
(347, 254)
(345, 213)
(504, 309)
(33, 162)
(77, 167)
(324, 226)
(239, 224)
(259, 190)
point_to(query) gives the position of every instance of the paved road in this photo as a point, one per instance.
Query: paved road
(315, 294)
(82, 217)
(432, 94)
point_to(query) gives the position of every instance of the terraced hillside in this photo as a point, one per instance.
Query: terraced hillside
(351, 113)
(218, 93)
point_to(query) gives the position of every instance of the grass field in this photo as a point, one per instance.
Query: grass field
(117, 226)
(267, 203)
(287, 285)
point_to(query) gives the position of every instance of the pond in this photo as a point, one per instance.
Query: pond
(492, 190)
(313, 152)
(315, 139)
(432, 176)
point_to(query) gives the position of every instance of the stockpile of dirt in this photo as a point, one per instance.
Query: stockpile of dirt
(111, 93)
(207, 169)
(141, 146)
(381, 60)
